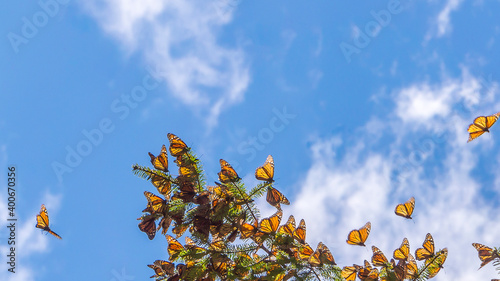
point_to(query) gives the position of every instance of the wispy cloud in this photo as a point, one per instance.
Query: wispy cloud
(441, 25)
(179, 41)
(357, 179)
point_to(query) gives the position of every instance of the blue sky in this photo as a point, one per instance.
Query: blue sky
(362, 105)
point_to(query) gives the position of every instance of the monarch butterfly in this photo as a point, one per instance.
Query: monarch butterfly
(399, 269)
(300, 232)
(174, 248)
(165, 224)
(197, 251)
(322, 255)
(163, 185)
(177, 146)
(288, 227)
(266, 171)
(42, 221)
(359, 236)
(405, 210)
(349, 272)
(162, 268)
(271, 224)
(368, 272)
(485, 253)
(220, 264)
(305, 252)
(378, 258)
(411, 267)
(179, 229)
(160, 162)
(148, 226)
(480, 125)
(436, 263)
(217, 245)
(274, 197)
(403, 251)
(155, 203)
(186, 190)
(248, 230)
(428, 249)
(227, 173)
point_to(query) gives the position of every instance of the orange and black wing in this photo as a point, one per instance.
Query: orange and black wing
(405, 210)
(485, 253)
(300, 232)
(378, 258)
(359, 236)
(177, 146)
(148, 226)
(275, 198)
(42, 221)
(271, 224)
(266, 171)
(481, 125)
(403, 252)
(227, 173)
(427, 250)
(289, 227)
(160, 162)
(174, 248)
(349, 272)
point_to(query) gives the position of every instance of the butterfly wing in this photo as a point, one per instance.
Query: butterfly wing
(378, 258)
(300, 232)
(148, 226)
(428, 248)
(349, 272)
(405, 210)
(289, 227)
(42, 221)
(275, 198)
(359, 236)
(177, 146)
(227, 173)
(485, 253)
(174, 248)
(266, 171)
(160, 162)
(435, 263)
(403, 251)
(271, 224)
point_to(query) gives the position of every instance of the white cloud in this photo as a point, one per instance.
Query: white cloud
(442, 24)
(353, 180)
(178, 39)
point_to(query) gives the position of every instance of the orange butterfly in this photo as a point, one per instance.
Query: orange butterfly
(42, 221)
(163, 185)
(162, 268)
(305, 252)
(481, 125)
(248, 230)
(403, 251)
(174, 248)
(368, 272)
(405, 210)
(271, 224)
(289, 227)
(349, 272)
(227, 173)
(274, 197)
(148, 226)
(266, 171)
(300, 232)
(359, 236)
(411, 267)
(378, 258)
(155, 203)
(485, 253)
(322, 255)
(177, 146)
(160, 162)
(428, 249)
(436, 263)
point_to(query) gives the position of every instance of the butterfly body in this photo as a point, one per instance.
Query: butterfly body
(42, 221)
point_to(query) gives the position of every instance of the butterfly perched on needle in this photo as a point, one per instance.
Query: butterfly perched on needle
(359, 236)
(481, 125)
(405, 210)
(177, 146)
(227, 173)
(160, 162)
(266, 171)
(42, 221)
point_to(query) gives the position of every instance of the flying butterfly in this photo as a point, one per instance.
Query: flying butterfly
(177, 146)
(275, 198)
(359, 236)
(227, 173)
(42, 221)
(160, 162)
(266, 171)
(402, 253)
(300, 232)
(378, 258)
(406, 209)
(349, 272)
(485, 253)
(428, 249)
(271, 224)
(481, 125)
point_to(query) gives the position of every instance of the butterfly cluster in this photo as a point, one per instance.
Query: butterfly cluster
(403, 265)
(225, 237)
